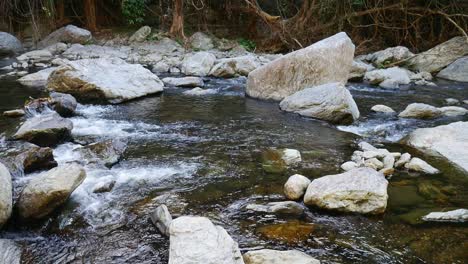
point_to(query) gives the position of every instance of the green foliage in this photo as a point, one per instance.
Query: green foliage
(134, 11)
(247, 44)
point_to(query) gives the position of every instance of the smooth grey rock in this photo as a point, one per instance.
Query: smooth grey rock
(141, 34)
(201, 41)
(197, 91)
(456, 71)
(449, 141)
(330, 102)
(10, 252)
(296, 186)
(361, 190)
(107, 152)
(64, 104)
(45, 130)
(437, 58)
(452, 101)
(405, 158)
(184, 81)
(6, 194)
(162, 219)
(421, 111)
(459, 215)
(364, 146)
(231, 67)
(382, 109)
(390, 78)
(67, 34)
(37, 79)
(198, 64)
(349, 165)
(57, 48)
(327, 61)
(23, 157)
(9, 44)
(111, 80)
(453, 111)
(35, 56)
(196, 240)
(390, 55)
(268, 256)
(417, 164)
(45, 192)
(287, 207)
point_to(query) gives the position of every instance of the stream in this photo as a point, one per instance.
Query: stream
(201, 155)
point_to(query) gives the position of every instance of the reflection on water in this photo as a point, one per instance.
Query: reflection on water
(201, 155)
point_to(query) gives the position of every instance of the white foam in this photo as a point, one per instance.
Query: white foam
(389, 130)
(94, 110)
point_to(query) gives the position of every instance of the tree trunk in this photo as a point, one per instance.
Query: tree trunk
(89, 7)
(177, 28)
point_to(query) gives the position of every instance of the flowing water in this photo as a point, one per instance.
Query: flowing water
(202, 156)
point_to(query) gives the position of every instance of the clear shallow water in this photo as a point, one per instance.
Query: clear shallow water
(201, 155)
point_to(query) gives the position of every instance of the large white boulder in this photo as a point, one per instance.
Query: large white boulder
(37, 79)
(331, 102)
(456, 71)
(198, 64)
(326, 61)
(440, 56)
(68, 34)
(9, 44)
(361, 190)
(268, 256)
(5, 195)
(390, 78)
(111, 80)
(449, 141)
(196, 239)
(45, 192)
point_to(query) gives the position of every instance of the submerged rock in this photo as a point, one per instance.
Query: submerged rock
(268, 256)
(326, 61)
(198, 64)
(278, 160)
(390, 78)
(330, 102)
(67, 34)
(361, 190)
(45, 130)
(6, 194)
(140, 35)
(196, 240)
(290, 232)
(456, 71)
(417, 164)
(162, 219)
(9, 44)
(439, 56)
(184, 81)
(111, 80)
(459, 215)
(449, 141)
(201, 41)
(296, 186)
(10, 252)
(382, 109)
(37, 79)
(44, 193)
(422, 111)
(288, 208)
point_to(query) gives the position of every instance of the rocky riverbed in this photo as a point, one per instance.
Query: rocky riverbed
(158, 129)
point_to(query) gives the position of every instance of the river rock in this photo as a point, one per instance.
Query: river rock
(390, 78)
(449, 141)
(5, 195)
(268, 256)
(417, 164)
(104, 186)
(37, 79)
(64, 104)
(382, 109)
(327, 61)
(440, 56)
(388, 161)
(405, 158)
(421, 111)
(197, 91)
(195, 239)
(198, 64)
(456, 71)
(288, 208)
(35, 56)
(107, 152)
(295, 186)
(67, 34)
(347, 166)
(358, 70)
(374, 163)
(452, 101)
(184, 81)
(201, 41)
(10, 252)
(57, 48)
(78, 52)
(9, 44)
(14, 113)
(389, 55)
(330, 102)
(45, 192)
(231, 67)
(365, 146)
(162, 219)
(45, 130)
(112, 80)
(459, 215)
(362, 190)
(453, 111)
(291, 156)
(140, 35)
(22, 157)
